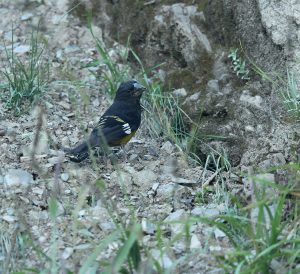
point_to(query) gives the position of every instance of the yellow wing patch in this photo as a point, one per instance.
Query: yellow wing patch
(124, 140)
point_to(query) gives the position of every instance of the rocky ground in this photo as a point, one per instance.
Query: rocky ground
(152, 180)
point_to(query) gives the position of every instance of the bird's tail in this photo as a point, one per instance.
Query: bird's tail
(79, 153)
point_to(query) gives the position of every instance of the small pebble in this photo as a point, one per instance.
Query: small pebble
(65, 177)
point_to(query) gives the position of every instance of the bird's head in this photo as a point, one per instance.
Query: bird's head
(130, 90)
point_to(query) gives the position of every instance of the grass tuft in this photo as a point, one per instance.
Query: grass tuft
(291, 96)
(26, 80)
(260, 233)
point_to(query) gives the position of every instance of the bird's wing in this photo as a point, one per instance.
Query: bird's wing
(111, 130)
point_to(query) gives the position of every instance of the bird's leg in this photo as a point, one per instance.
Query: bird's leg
(122, 151)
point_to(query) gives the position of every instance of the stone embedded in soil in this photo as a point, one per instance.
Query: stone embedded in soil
(148, 227)
(166, 191)
(9, 218)
(55, 160)
(107, 226)
(195, 243)
(213, 86)
(41, 147)
(18, 177)
(65, 105)
(38, 190)
(181, 92)
(26, 16)
(215, 248)
(255, 101)
(177, 216)
(163, 259)
(121, 176)
(219, 233)
(155, 186)
(71, 49)
(22, 49)
(203, 211)
(168, 147)
(3, 131)
(65, 177)
(274, 159)
(145, 178)
(67, 253)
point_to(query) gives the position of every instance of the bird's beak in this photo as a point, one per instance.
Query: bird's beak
(138, 88)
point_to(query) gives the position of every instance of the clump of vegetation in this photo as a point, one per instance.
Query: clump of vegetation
(238, 64)
(292, 94)
(264, 238)
(26, 78)
(287, 86)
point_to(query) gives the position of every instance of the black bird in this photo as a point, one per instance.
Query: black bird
(117, 125)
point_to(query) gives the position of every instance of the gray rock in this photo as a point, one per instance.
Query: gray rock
(148, 227)
(65, 177)
(163, 259)
(181, 92)
(18, 177)
(273, 160)
(26, 16)
(155, 186)
(177, 216)
(215, 248)
(41, 147)
(203, 211)
(145, 178)
(219, 233)
(133, 157)
(38, 190)
(59, 55)
(255, 101)
(166, 190)
(8, 36)
(72, 49)
(213, 86)
(62, 5)
(107, 226)
(9, 218)
(277, 19)
(186, 37)
(38, 215)
(249, 128)
(195, 243)
(193, 98)
(22, 49)
(55, 160)
(168, 147)
(121, 176)
(67, 253)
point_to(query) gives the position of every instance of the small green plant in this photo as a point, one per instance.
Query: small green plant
(261, 233)
(292, 94)
(26, 80)
(113, 74)
(287, 86)
(238, 64)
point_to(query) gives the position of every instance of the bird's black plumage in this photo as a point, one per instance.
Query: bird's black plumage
(118, 123)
